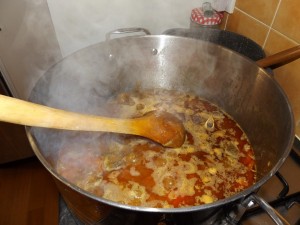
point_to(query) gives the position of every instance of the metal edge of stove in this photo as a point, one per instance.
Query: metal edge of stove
(296, 149)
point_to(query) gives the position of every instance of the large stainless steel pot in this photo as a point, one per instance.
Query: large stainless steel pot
(84, 80)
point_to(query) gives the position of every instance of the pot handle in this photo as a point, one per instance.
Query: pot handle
(126, 31)
(280, 58)
(273, 213)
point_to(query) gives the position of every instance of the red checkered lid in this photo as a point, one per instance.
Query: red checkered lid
(197, 16)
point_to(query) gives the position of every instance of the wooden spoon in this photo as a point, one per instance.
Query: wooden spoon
(161, 127)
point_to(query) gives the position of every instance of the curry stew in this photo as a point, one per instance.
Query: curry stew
(216, 160)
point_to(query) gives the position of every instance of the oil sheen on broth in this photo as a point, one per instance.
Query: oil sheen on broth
(216, 161)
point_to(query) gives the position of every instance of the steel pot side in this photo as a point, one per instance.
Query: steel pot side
(233, 82)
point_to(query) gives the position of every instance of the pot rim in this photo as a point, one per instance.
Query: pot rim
(239, 196)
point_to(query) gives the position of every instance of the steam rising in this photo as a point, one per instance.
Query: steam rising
(85, 80)
(81, 23)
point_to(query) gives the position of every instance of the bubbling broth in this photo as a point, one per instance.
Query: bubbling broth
(216, 160)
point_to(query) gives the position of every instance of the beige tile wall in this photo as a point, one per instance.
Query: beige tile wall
(275, 25)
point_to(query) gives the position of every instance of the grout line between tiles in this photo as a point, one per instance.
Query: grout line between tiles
(271, 25)
(268, 27)
(275, 14)
(226, 21)
(251, 17)
(286, 37)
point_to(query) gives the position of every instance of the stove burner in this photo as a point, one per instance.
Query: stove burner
(286, 201)
(282, 199)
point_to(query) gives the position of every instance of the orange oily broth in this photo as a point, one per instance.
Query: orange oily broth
(213, 163)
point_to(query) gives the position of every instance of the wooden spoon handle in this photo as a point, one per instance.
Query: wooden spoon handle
(280, 58)
(161, 127)
(17, 111)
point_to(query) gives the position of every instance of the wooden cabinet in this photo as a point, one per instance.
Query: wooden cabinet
(14, 144)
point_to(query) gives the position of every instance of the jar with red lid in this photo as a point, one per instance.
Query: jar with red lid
(205, 16)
